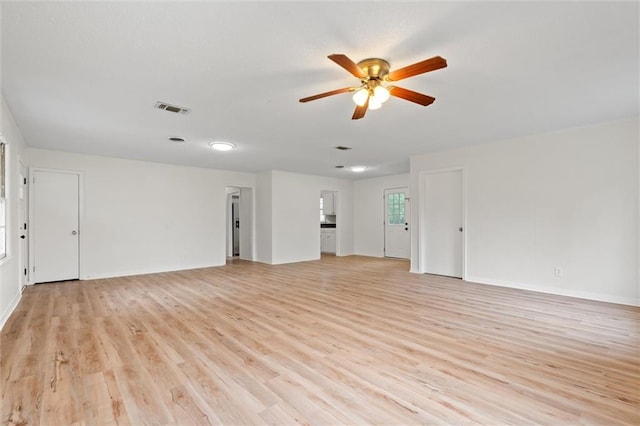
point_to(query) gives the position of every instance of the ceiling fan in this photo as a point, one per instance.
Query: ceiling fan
(371, 94)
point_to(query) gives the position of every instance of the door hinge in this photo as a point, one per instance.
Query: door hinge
(25, 271)
(25, 226)
(25, 181)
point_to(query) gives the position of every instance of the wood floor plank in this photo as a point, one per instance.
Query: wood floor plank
(342, 340)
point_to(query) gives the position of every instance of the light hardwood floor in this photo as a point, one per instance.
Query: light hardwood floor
(337, 341)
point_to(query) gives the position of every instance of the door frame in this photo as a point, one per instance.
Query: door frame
(338, 214)
(407, 208)
(252, 216)
(422, 175)
(228, 223)
(32, 172)
(24, 258)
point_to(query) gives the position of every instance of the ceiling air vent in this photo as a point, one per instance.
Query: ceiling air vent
(172, 108)
(343, 148)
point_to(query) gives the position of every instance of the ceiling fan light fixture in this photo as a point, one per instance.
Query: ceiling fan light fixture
(381, 94)
(360, 97)
(222, 146)
(374, 103)
(372, 72)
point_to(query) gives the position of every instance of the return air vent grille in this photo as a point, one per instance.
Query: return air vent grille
(172, 108)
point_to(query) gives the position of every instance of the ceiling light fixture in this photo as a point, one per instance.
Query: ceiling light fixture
(361, 96)
(358, 169)
(372, 73)
(372, 91)
(222, 146)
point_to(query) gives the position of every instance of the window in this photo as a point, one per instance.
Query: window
(395, 208)
(3, 200)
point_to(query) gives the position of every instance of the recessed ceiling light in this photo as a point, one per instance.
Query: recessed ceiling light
(177, 139)
(358, 169)
(222, 146)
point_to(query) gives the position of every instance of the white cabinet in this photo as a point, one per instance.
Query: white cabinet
(328, 203)
(328, 240)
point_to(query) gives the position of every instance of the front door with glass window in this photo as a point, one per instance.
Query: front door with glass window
(397, 242)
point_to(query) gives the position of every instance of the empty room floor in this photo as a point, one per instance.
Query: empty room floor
(342, 340)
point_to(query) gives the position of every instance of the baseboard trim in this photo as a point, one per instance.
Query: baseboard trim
(557, 291)
(9, 310)
(89, 277)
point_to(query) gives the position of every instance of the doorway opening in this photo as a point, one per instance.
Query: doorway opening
(240, 223)
(328, 222)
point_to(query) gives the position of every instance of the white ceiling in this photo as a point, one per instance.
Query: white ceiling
(84, 77)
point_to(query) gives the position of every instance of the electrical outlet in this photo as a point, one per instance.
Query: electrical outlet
(558, 272)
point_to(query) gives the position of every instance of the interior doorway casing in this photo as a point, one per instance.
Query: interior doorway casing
(423, 225)
(243, 205)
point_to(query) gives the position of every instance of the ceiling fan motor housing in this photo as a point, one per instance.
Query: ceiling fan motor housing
(376, 68)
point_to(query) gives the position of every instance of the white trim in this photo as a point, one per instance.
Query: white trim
(421, 206)
(9, 309)
(556, 291)
(148, 272)
(227, 220)
(32, 171)
(23, 262)
(5, 259)
(337, 209)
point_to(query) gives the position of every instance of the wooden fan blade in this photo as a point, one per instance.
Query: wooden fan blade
(325, 94)
(348, 64)
(427, 65)
(360, 111)
(410, 95)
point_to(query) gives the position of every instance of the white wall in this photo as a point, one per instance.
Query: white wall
(368, 212)
(247, 224)
(296, 216)
(264, 209)
(142, 217)
(566, 199)
(9, 266)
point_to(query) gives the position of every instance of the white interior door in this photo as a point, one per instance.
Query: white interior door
(23, 213)
(55, 226)
(442, 224)
(397, 240)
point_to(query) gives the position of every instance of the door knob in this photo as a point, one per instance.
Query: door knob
(22, 237)
(460, 229)
(73, 232)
